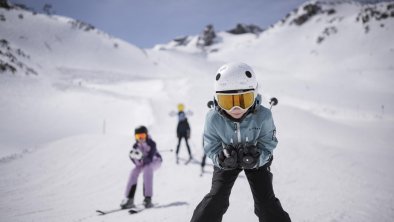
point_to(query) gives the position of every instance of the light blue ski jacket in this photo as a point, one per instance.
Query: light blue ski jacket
(256, 128)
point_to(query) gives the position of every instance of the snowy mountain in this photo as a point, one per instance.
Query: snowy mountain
(39, 37)
(313, 24)
(71, 96)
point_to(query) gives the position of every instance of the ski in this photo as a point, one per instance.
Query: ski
(104, 212)
(139, 208)
(136, 210)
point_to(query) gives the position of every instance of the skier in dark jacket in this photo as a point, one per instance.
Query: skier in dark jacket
(146, 159)
(239, 134)
(182, 131)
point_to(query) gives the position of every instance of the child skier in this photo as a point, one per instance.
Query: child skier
(146, 159)
(182, 131)
(239, 134)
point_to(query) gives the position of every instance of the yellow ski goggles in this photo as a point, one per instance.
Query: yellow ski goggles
(243, 100)
(140, 136)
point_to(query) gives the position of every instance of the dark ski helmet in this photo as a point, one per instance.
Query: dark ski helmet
(141, 129)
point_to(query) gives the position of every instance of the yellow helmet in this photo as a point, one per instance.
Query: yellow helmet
(181, 107)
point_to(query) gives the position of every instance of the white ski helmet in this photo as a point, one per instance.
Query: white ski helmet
(235, 76)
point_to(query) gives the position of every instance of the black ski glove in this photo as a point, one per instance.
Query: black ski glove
(228, 158)
(249, 156)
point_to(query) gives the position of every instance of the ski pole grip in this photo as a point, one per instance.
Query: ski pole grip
(273, 101)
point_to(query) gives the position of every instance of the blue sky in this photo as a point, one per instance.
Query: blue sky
(148, 22)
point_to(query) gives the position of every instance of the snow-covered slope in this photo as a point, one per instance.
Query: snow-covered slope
(52, 62)
(66, 127)
(55, 41)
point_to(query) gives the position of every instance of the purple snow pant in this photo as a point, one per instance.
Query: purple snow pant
(148, 176)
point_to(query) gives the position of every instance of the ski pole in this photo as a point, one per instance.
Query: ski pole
(167, 150)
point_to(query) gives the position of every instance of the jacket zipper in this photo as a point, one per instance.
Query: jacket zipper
(238, 131)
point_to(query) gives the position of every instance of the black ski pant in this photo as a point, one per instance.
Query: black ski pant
(266, 206)
(179, 144)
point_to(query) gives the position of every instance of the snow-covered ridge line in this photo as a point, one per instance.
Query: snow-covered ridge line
(325, 14)
(378, 11)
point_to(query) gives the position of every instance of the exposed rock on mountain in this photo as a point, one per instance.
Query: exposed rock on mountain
(207, 36)
(243, 28)
(377, 13)
(11, 59)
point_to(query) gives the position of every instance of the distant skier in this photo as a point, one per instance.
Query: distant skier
(239, 134)
(146, 159)
(182, 131)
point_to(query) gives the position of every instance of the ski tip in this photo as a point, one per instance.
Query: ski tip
(100, 212)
